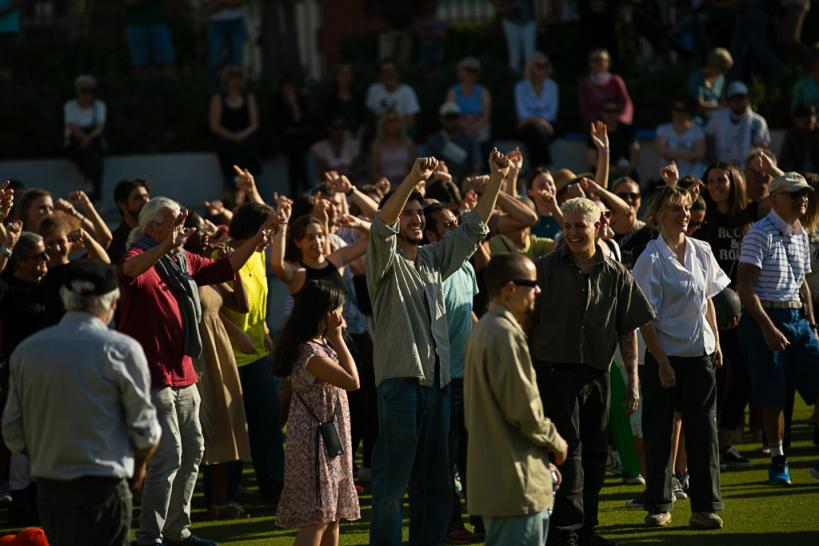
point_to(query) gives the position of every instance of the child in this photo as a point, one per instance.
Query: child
(318, 481)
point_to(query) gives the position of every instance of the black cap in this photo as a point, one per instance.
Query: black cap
(101, 275)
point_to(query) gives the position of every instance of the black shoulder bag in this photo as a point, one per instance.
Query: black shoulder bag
(328, 432)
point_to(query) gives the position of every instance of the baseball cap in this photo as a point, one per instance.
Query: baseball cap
(449, 108)
(789, 182)
(736, 89)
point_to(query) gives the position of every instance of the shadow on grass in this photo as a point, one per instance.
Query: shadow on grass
(690, 537)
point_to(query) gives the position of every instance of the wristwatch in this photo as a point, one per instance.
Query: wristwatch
(5, 251)
(351, 191)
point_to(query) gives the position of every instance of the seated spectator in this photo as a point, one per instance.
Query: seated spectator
(806, 89)
(130, 195)
(732, 131)
(291, 119)
(33, 207)
(84, 119)
(233, 120)
(390, 94)
(601, 86)
(800, 149)
(430, 31)
(623, 145)
(338, 152)
(757, 174)
(344, 101)
(474, 100)
(392, 151)
(536, 104)
(148, 36)
(707, 85)
(453, 144)
(226, 34)
(682, 140)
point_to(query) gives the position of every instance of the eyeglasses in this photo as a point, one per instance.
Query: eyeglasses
(628, 196)
(799, 194)
(530, 283)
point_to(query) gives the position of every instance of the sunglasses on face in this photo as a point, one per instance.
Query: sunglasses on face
(529, 283)
(628, 196)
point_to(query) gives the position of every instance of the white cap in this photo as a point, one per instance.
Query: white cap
(789, 182)
(737, 88)
(448, 108)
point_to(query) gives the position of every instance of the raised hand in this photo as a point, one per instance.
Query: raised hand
(6, 200)
(516, 159)
(588, 186)
(670, 174)
(284, 206)
(179, 234)
(335, 325)
(762, 163)
(214, 208)
(244, 179)
(79, 237)
(498, 163)
(423, 167)
(320, 208)
(338, 182)
(478, 183)
(80, 199)
(383, 184)
(599, 136)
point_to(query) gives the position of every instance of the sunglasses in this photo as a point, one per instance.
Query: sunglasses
(628, 196)
(524, 282)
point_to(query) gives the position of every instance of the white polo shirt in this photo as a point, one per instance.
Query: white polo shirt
(782, 253)
(679, 294)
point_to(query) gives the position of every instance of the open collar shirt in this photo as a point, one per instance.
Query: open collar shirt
(411, 331)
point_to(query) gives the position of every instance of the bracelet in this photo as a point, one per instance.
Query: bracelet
(350, 191)
(5, 251)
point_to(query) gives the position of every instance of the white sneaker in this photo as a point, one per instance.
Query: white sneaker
(705, 520)
(658, 520)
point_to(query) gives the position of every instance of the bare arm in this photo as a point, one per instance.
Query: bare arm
(99, 227)
(259, 240)
(628, 350)
(343, 374)
(516, 209)
(807, 301)
(666, 372)
(600, 139)
(746, 277)
(499, 168)
(422, 169)
(711, 317)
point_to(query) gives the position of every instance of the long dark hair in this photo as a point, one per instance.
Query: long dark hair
(313, 302)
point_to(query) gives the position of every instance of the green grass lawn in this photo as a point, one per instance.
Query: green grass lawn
(755, 514)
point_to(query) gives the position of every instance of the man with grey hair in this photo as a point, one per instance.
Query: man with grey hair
(98, 428)
(160, 309)
(589, 303)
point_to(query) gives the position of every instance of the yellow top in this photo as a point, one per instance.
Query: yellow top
(254, 278)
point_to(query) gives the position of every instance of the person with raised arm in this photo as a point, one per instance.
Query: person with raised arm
(161, 309)
(404, 280)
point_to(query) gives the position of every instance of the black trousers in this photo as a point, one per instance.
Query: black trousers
(695, 396)
(735, 391)
(88, 510)
(576, 398)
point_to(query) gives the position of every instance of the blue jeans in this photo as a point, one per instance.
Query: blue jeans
(411, 450)
(525, 530)
(150, 43)
(772, 371)
(261, 397)
(223, 35)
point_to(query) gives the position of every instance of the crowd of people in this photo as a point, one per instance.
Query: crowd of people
(461, 323)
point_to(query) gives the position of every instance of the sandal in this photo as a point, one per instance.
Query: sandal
(231, 510)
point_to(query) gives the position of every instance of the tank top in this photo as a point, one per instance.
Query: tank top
(471, 105)
(234, 119)
(394, 162)
(328, 273)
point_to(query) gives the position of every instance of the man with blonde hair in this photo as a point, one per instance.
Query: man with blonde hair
(588, 304)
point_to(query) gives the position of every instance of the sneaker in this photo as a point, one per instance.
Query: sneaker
(778, 472)
(192, 540)
(730, 458)
(637, 502)
(460, 536)
(634, 480)
(677, 490)
(364, 474)
(814, 472)
(705, 520)
(658, 520)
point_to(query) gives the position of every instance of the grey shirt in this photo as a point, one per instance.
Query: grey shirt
(79, 401)
(580, 317)
(408, 299)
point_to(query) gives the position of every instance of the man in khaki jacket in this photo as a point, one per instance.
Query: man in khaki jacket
(509, 476)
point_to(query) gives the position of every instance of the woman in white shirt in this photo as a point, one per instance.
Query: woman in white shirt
(536, 103)
(682, 140)
(84, 119)
(679, 276)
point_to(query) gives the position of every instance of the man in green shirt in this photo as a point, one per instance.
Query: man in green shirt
(411, 354)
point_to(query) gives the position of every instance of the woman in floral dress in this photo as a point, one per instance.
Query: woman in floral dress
(318, 487)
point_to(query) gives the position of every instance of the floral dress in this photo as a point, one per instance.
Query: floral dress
(305, 500)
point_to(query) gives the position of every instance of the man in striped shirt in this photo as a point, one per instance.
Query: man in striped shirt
(778, 328)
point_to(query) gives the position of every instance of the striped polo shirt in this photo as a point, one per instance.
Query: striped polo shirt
(782, 253)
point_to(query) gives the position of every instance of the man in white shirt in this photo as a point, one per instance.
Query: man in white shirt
(391, 94)
(734, 130)
(778, 327)
(98, 427)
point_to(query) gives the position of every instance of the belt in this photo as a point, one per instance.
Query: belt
(769, 304)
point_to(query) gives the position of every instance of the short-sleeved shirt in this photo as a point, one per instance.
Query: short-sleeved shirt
(782, 253)
(580, 317)
(734, 138)
(459, 290)
(685, 141)
(150, 313)
(403, 100)
(679, 293)
(84, 118)
(535, 247)
(254, 280)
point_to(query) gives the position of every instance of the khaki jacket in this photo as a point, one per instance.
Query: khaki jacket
(509, 437)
